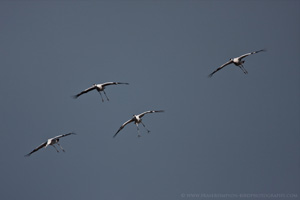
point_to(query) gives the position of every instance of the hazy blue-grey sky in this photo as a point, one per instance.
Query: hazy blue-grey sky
(231, 134)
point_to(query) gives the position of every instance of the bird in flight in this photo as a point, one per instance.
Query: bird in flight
(237, 61)
(137, 119)
(51, 142)
(100, 88)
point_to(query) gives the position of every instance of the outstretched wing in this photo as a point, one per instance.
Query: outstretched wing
(113, 83)
(129, 121)
(150, 111)
(84, 91)
(248, 54)
(64, 135)
(225, 64)
(36, 149)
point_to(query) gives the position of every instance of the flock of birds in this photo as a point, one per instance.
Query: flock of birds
(137, 119)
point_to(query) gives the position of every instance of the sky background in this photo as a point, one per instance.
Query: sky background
(229, 134)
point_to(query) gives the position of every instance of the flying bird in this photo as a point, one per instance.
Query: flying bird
(100, 88)
(137, 119)
(51, 142)
(237, 61)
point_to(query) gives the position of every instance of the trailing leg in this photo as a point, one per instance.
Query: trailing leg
(60, 147)
(55, 148)
(137, 126)
(244, 70)
(106, 95)
(145, 127)
(101, 96)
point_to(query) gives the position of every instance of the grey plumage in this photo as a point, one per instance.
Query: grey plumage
(100, 88)
(137, 119)
(51, 142)
(237, 61)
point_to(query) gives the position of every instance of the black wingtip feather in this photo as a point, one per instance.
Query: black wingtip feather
(261, 50)
(115, 134)
(75, 96)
